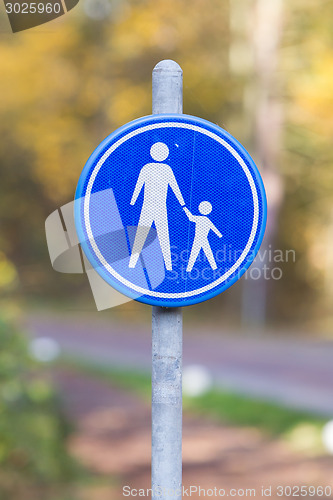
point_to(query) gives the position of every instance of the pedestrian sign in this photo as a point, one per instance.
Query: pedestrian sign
(170, 210)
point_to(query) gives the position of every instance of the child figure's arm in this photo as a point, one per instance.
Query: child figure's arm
(189, 215)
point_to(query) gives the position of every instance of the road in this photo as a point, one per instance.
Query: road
(296, 373)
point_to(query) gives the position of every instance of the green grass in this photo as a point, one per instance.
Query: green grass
(222, 406)
(243, 411)
(138, 382)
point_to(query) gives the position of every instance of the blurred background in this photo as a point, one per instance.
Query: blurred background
(74, 382)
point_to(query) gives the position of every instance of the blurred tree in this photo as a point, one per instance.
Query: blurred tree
(66, 88)
(305, 222)
(263, 107)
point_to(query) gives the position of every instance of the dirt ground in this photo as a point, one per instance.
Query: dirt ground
(112, 440)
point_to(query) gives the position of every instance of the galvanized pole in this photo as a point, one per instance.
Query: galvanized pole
(167, 340)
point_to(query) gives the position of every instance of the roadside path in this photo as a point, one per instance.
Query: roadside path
(296, 373)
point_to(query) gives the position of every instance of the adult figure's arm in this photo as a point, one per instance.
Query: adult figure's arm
(189, 215)
(174, 186)
(139, 184)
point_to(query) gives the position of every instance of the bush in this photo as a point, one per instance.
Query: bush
(33, 458)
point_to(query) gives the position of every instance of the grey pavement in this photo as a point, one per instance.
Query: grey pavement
(294, 372)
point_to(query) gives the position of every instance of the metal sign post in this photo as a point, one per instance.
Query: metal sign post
(167, 343)
(170, 210)
(167, 337)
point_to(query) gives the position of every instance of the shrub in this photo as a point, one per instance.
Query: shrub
(33, 458)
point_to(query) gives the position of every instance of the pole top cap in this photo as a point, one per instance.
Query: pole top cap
(169, 66)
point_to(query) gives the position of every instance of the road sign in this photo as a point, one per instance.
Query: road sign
(191, 201)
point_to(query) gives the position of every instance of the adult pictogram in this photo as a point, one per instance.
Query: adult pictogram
(155, 178)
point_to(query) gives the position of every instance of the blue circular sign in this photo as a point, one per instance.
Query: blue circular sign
(170, 210)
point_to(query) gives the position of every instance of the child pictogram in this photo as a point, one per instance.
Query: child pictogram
(202, 227)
